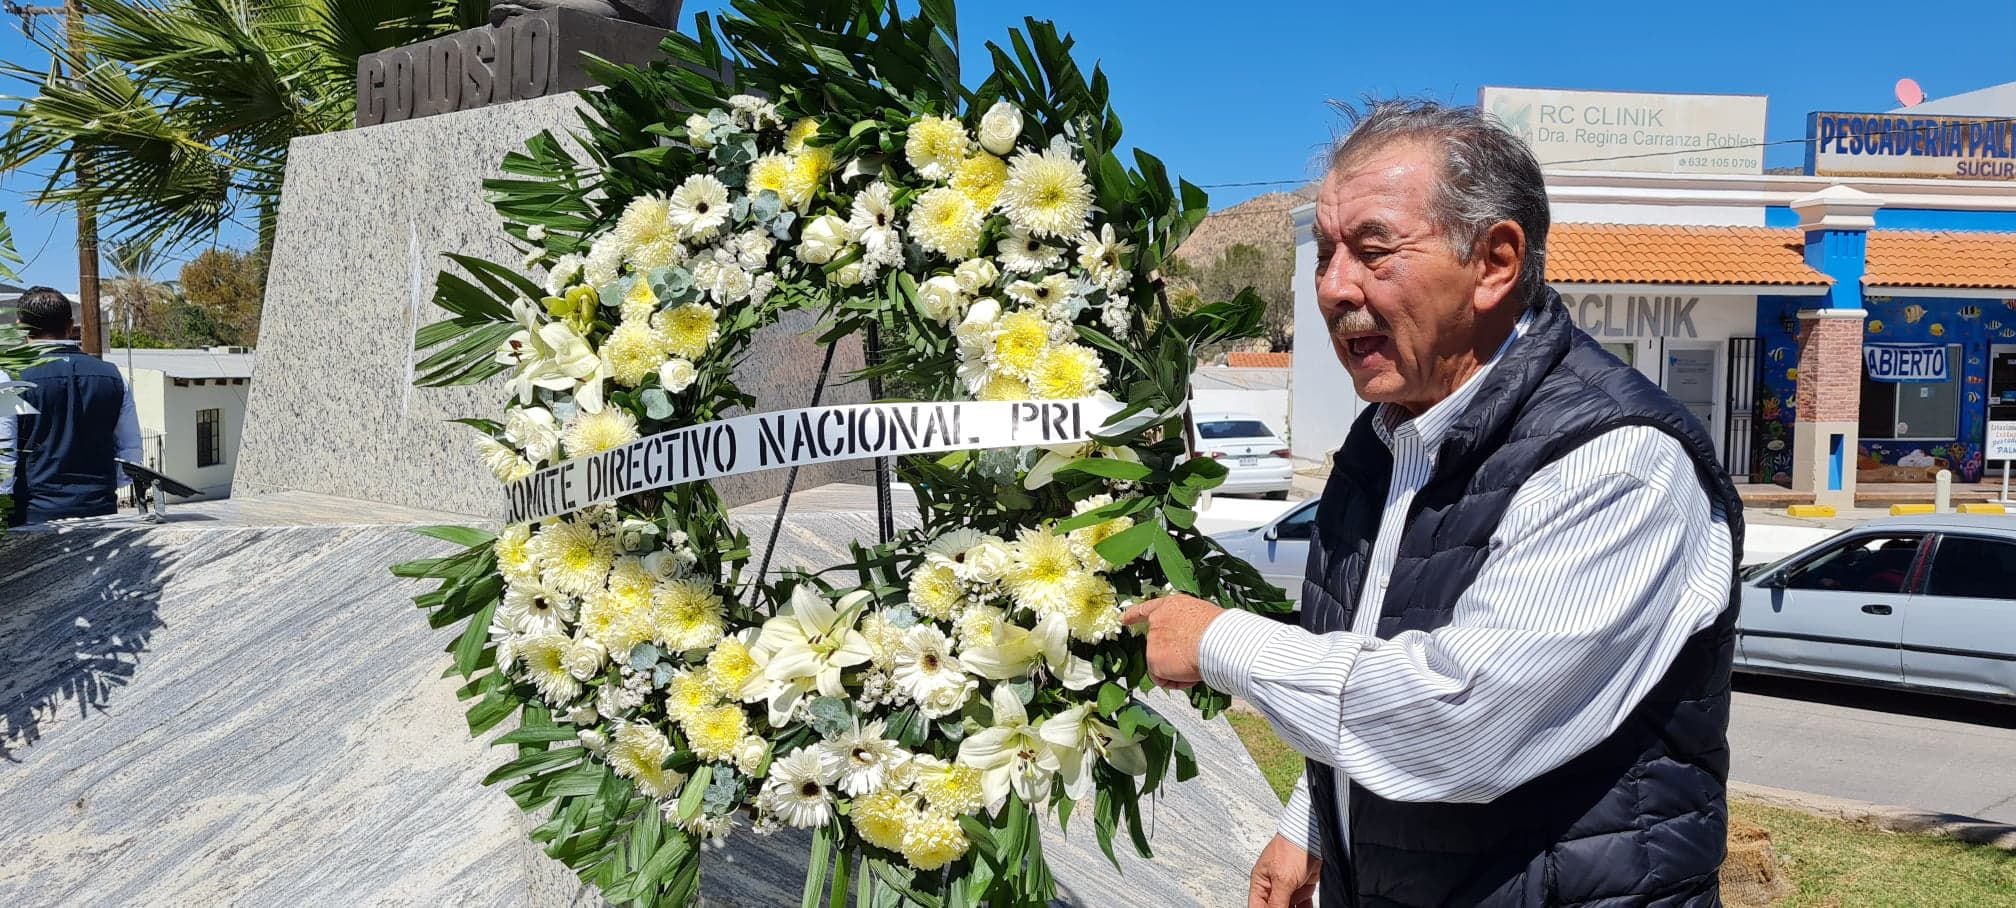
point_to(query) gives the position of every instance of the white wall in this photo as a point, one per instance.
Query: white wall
(1656, 213)
(1322, 402)
(167, 415)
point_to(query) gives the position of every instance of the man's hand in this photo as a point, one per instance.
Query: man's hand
(1175, 629)
(1284, 877)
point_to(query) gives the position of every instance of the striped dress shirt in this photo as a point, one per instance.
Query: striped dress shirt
(1604, 563)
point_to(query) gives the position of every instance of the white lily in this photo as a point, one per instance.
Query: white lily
(808, 645)
(1016, 651)
(1058, 457)
(1010, 754)
(1081, 739)
(548, 355)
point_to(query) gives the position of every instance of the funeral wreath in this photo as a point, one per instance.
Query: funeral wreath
(924, 710)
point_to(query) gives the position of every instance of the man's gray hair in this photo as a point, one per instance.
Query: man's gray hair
(1488, 175)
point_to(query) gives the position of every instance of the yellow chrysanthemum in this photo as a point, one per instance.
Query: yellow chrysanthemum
(573, 557)
(514, 555)
(1023, 337)
(1041, 573)
(618, 617)
(647, 219)
(936, 146)
(656, 254)
(1001, 386)
(545, 661)
(1091, 608)
(634, 352)
(795, 137)
(689, 330)
(1066, 371)
(639, 301)
(687, 695)
(639, 754)
(687, 615)
(592, 433)
(935, 591)
(882, 817)
(933, 840)
(715, 733)
(771, 173)
(629, 577)
(980, 178)
(729, 667)
(945, 221)
(1087, 539)
(977, 625)
(809, 168)
(1047, 194)
(953, 788)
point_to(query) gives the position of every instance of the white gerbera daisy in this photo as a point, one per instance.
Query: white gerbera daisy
(924, 663)
(947, 222)
(798, 791)
(1102, 255)
(594, 433)
(1023, 253)
(871, 221)
(861, 760)
(1047, 194)
(545, 662)
(1045, 291)
(699, 206)
(532, 609)
(952, 546)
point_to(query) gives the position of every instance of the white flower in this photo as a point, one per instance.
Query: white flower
(953, 544)
(565, 269)
(1045, 291)
(677, 375)
(533, 430)
(504, 463)
(699, 131)
(861, 761)
(1010, 754)
(986, 562)
(725, 281)
(584, 714)
(1080, 739)
(980, 319)
(1047, 194)
(1113, 316)
(1015, 651)
(585, 657)
(536, 233)
(935, 146)
(1101, 254)
(1058, 457)
(850, 275)
(823, 240)
(699, 206)
(1024, 253)
(750, 754)
(1000, 127)
(592, 739)
(545, 660)
(927, 672)
(604, 263)
(975, 275)
(871, 221)
(754, 112)
(940, 299)
(798, 791)
(639, 754)
(806, 647)
(533, 609)
(549, 355)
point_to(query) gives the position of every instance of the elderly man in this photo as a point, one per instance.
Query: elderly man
(1511, 679)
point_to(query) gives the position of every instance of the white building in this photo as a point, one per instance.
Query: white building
(191, 405)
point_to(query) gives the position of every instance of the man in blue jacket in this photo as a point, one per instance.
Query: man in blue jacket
(62, 454)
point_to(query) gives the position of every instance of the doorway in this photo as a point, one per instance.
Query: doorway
(1690, 372)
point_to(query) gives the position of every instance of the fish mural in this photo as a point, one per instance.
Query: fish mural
(1938, 330)
(1875, 326)
(2008, 332)
(1777, 354)
(1913, 314)
(1970, 313)
(1792, 375)
(1994, 323)
(1973, 397)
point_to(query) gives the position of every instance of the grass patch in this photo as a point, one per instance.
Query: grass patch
(1278, 762)
(1830, 863)
(1834, 862)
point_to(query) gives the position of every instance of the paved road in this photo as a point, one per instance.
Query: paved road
(1910, 750)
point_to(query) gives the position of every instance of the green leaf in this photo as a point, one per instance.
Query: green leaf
(537, 735)
(1128, 544)
(696, 790)
(1111, 698)
(1108, 468)
(1175, 564)
(466, 537)
(656, 404)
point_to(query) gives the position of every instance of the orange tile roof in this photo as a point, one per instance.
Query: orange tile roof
(1257, 360)
(1940, 258)
(1661, 254)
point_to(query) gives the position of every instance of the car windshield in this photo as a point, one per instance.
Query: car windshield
(1233, 428)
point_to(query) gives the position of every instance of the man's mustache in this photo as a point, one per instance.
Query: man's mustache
(1356, 321)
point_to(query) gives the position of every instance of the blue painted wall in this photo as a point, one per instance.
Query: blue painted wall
(1915, 219)
(1973, 324)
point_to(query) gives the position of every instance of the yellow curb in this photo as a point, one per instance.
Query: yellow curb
(1810, 510)
(1981, 507)
(1900, 510)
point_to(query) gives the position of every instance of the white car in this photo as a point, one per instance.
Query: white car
(1256, 460)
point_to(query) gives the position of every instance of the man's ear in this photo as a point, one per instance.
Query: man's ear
(1500, 256)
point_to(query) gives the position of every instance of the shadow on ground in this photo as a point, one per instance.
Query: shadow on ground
(1896, 702)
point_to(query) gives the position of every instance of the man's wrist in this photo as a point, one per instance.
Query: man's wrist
(1231, 644)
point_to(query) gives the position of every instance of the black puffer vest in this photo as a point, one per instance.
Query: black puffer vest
(1640, 818)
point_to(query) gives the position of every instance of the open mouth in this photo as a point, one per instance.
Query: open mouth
(1365, 345)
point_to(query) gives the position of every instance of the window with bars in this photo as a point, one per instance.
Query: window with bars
(209, 437)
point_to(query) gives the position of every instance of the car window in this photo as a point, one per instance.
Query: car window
(1233, 428)
(1298, 524)
(1973, 567)
(1865, 564)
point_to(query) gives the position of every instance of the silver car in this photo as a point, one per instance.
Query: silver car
(1279, 548)
(1918, 602)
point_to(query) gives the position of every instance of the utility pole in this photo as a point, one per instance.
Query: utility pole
(87, 219)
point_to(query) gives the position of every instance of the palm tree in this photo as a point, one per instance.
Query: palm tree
(184, 108)
(138, 300)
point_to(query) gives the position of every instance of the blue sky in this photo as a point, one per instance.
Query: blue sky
(1236, 92)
